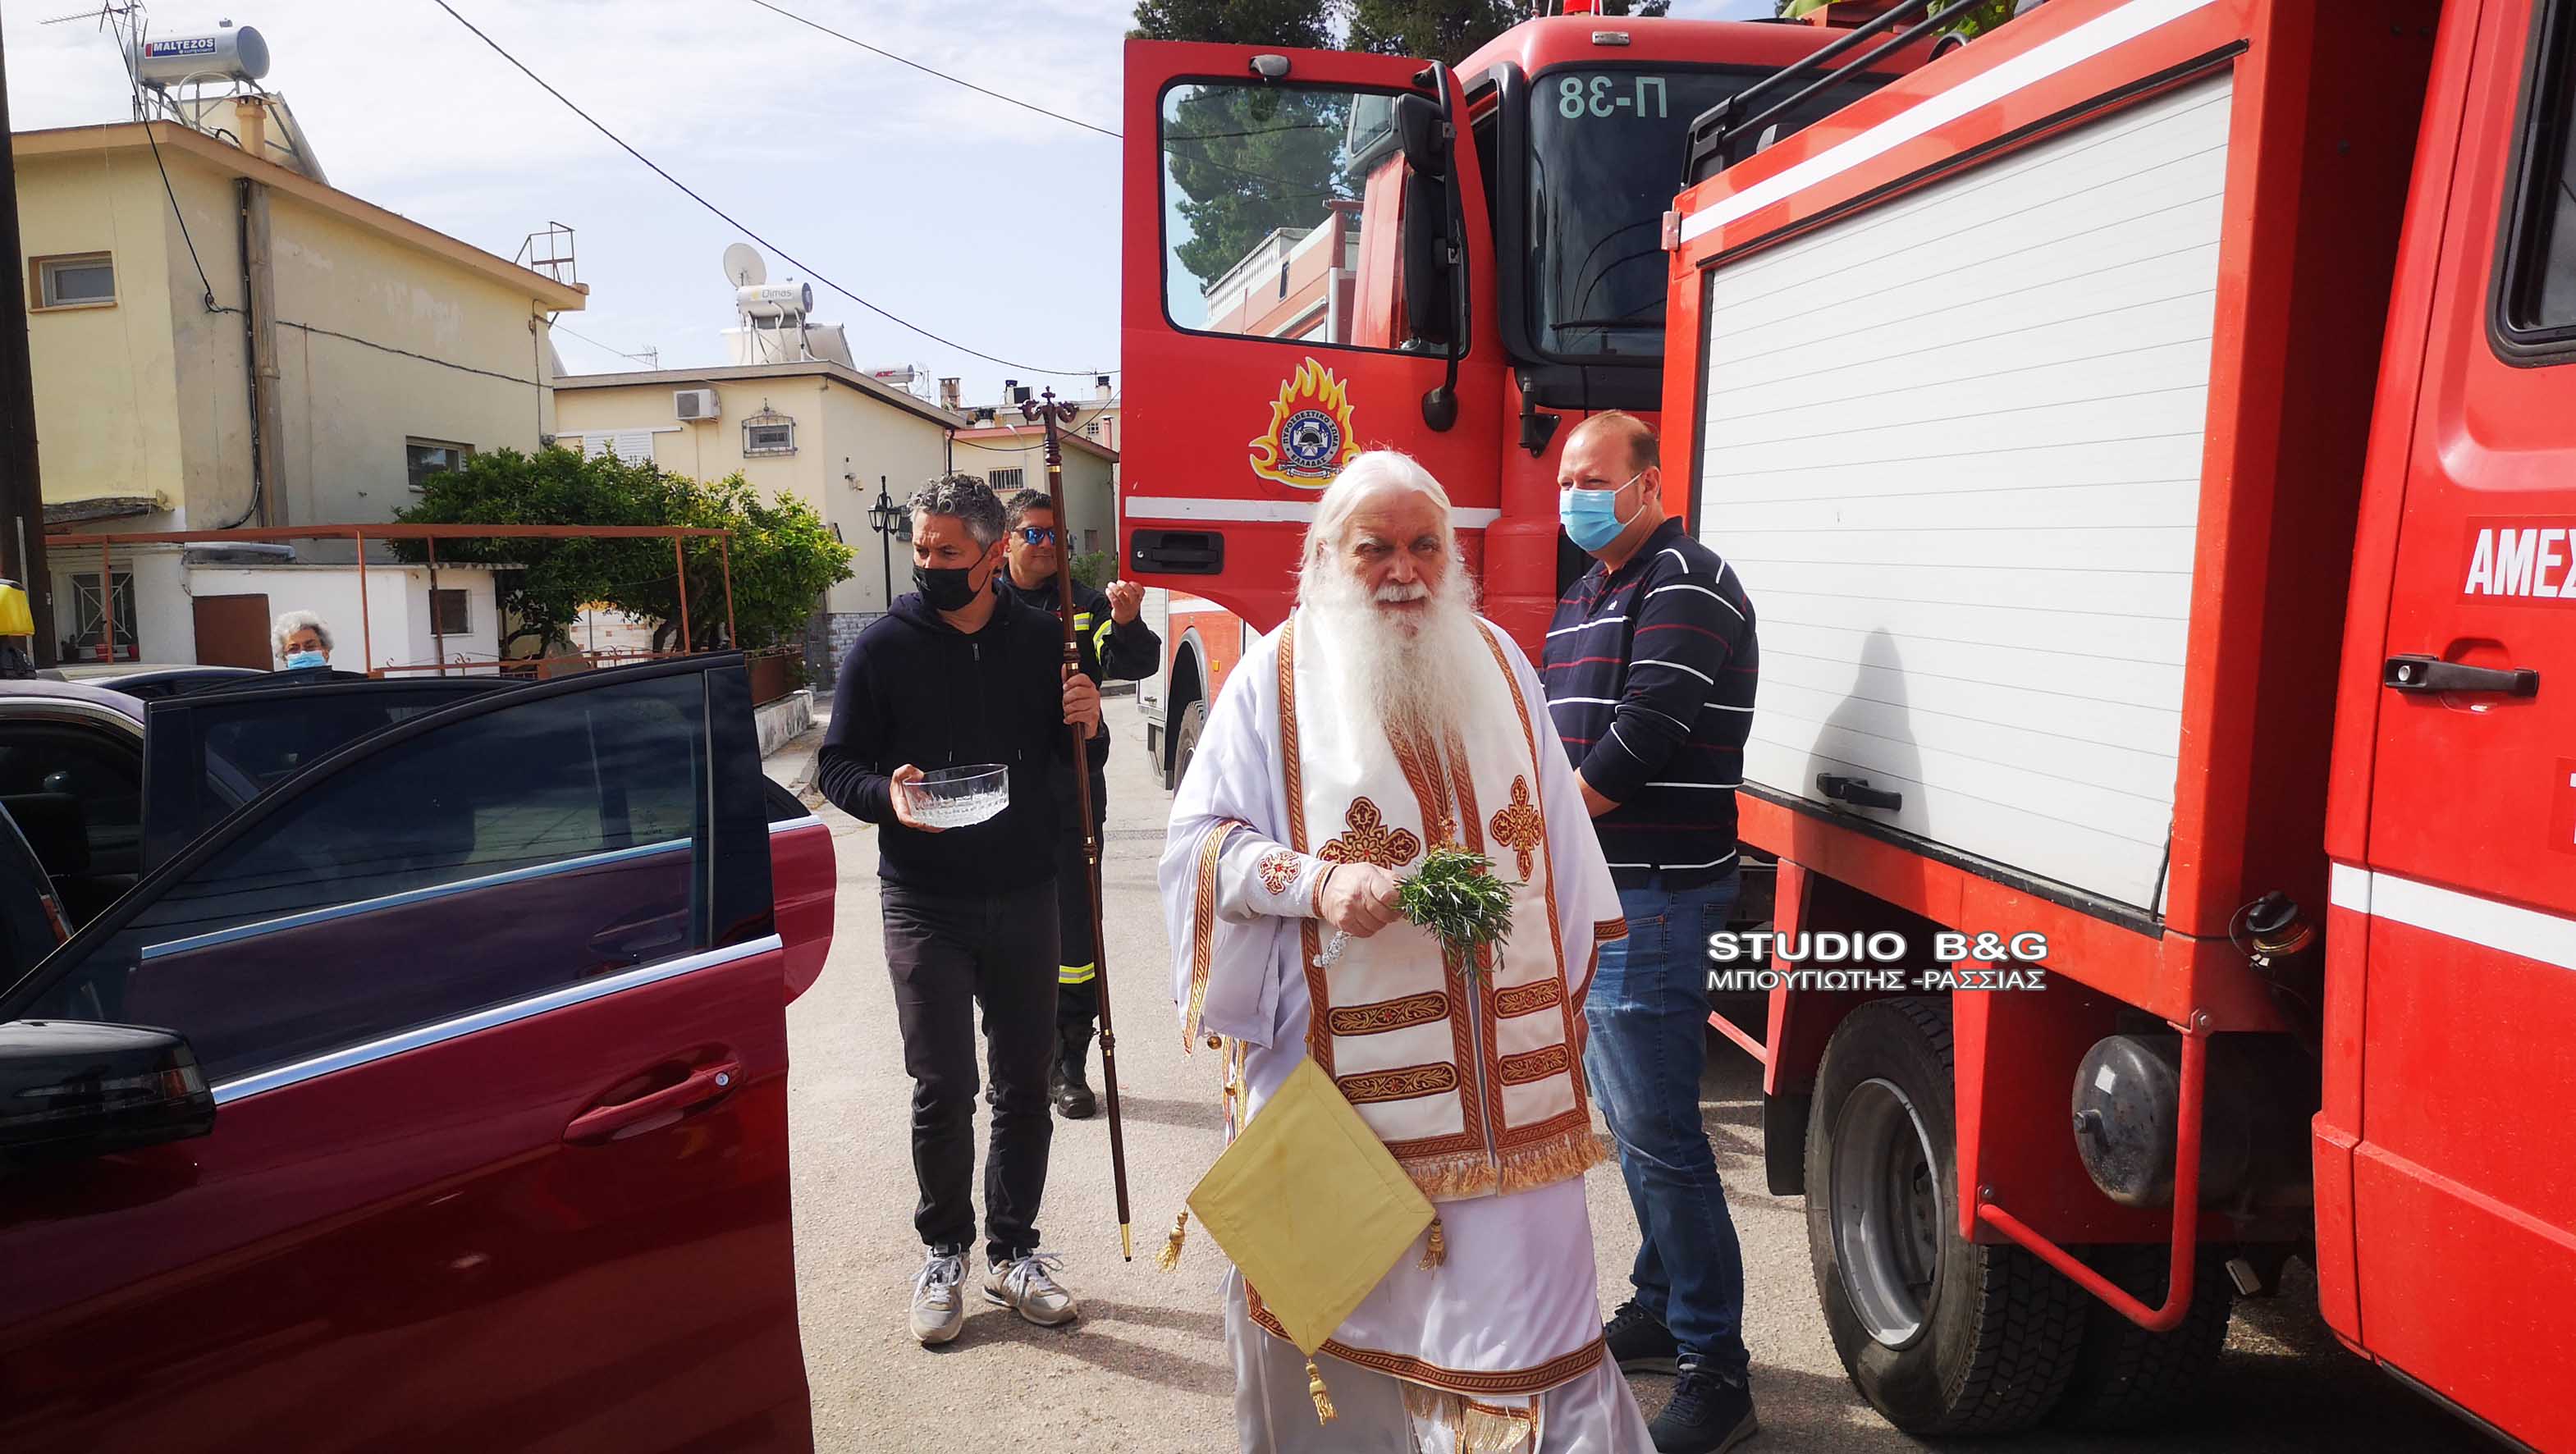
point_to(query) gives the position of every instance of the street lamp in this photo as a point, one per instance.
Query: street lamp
(892, 522)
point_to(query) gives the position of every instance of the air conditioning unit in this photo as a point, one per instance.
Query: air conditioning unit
(698, 404)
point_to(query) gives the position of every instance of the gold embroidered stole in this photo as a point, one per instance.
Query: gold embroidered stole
(1468, 1071)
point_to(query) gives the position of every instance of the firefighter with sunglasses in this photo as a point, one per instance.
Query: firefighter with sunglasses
(1116, 646)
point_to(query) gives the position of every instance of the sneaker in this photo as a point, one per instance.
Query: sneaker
(1711, 1412)
(1027, 1284)
(1639, 1341)
(938, 1308)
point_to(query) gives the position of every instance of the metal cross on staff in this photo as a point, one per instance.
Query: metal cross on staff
(1052, 414)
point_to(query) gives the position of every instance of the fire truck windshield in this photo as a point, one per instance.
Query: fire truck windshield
(1607, 146)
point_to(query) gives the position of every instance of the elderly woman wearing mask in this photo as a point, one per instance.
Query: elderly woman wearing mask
(302, 640)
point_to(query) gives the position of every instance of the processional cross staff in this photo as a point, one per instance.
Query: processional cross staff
(1052, 414)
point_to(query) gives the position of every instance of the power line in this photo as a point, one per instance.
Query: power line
(692, 194)
(1058, 115)
(1036, 433)
(404, 352)
(929, 71)
(173, 195)
(595, 343)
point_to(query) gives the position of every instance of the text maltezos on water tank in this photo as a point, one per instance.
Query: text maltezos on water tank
(235, 53)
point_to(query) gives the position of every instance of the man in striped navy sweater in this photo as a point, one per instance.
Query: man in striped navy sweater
(1650, 667)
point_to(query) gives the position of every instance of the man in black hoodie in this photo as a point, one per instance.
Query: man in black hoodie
(1116, 646)
(959, 674)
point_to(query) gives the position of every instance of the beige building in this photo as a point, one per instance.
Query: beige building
(1011, 457)
(1097, 421)
(818, 430)
(330, 355)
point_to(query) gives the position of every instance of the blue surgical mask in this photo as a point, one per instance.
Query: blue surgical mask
(299, 660)
(1592, 516)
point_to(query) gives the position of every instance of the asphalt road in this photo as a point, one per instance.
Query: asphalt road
(1145, 1370)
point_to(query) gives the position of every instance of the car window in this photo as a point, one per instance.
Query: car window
(488, 859)
(29, 922)
(77, 778)
(784, 806)
(213, 751)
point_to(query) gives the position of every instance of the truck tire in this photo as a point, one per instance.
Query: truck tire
(1942, 1335)
(1185, 740)
(2129, 1378)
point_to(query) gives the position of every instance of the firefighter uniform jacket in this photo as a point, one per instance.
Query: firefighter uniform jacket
(1108, 651)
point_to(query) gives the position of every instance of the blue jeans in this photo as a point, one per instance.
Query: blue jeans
(1648, 1015)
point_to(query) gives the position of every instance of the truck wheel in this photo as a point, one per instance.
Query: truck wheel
(1940, 1334)
(1185, 740)
(2129, 1378)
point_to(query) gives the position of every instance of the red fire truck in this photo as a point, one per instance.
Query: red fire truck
(2165, 557)
(2149, 436)
(1459, 300)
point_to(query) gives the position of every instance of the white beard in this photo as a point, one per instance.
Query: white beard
(1425, 674)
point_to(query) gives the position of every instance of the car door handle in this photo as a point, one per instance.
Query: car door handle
(706, 1083)
(2428, 674)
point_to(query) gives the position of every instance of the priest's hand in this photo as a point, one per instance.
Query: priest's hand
(1082, 703)
(1359, 899)
(907, 798)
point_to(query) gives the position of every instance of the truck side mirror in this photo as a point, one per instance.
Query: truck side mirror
(1435, 252)
(1429, 242)
(71, 1089)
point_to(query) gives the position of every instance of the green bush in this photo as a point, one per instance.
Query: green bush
(781, 552)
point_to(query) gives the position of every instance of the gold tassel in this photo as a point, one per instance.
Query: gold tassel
(1435, 1248)
(1324, 1410)
(1492, 1431)
(1169, 1259)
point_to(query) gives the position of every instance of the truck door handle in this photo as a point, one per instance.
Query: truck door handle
(1177, 552)
(2426, 674)
(1857, 792)
(706, 1083)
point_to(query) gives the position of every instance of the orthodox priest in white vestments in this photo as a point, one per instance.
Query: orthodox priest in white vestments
(1383, 720)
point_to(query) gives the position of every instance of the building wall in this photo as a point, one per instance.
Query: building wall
(393, 632)
(152, 395)
(107, 410)
(350, 408)
(1089, 497)
(845, 442)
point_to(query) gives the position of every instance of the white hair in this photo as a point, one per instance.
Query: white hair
(292, 622)
(1379, 471)
(1424, 676)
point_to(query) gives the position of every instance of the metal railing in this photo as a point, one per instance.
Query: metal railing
(1713, 130)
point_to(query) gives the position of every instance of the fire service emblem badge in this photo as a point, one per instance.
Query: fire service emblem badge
(1309, 438)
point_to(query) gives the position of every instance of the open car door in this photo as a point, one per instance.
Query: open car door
(489, 1005)
(207, 753)
(1302, 231)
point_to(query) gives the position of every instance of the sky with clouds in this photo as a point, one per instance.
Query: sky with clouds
(980, 221)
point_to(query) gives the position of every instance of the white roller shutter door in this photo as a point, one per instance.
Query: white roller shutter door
(1952, 447)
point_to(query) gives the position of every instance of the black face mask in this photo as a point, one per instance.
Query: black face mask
(946, 589)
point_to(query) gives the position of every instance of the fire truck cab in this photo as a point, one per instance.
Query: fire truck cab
(1332, 250)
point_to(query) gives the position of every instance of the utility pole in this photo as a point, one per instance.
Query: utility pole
(22, 496)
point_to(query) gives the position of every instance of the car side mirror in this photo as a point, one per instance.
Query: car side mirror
(71, 1089)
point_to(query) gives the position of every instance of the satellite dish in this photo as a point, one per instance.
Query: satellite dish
(743, 266)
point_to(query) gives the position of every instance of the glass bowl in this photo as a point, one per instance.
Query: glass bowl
(956, 797)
